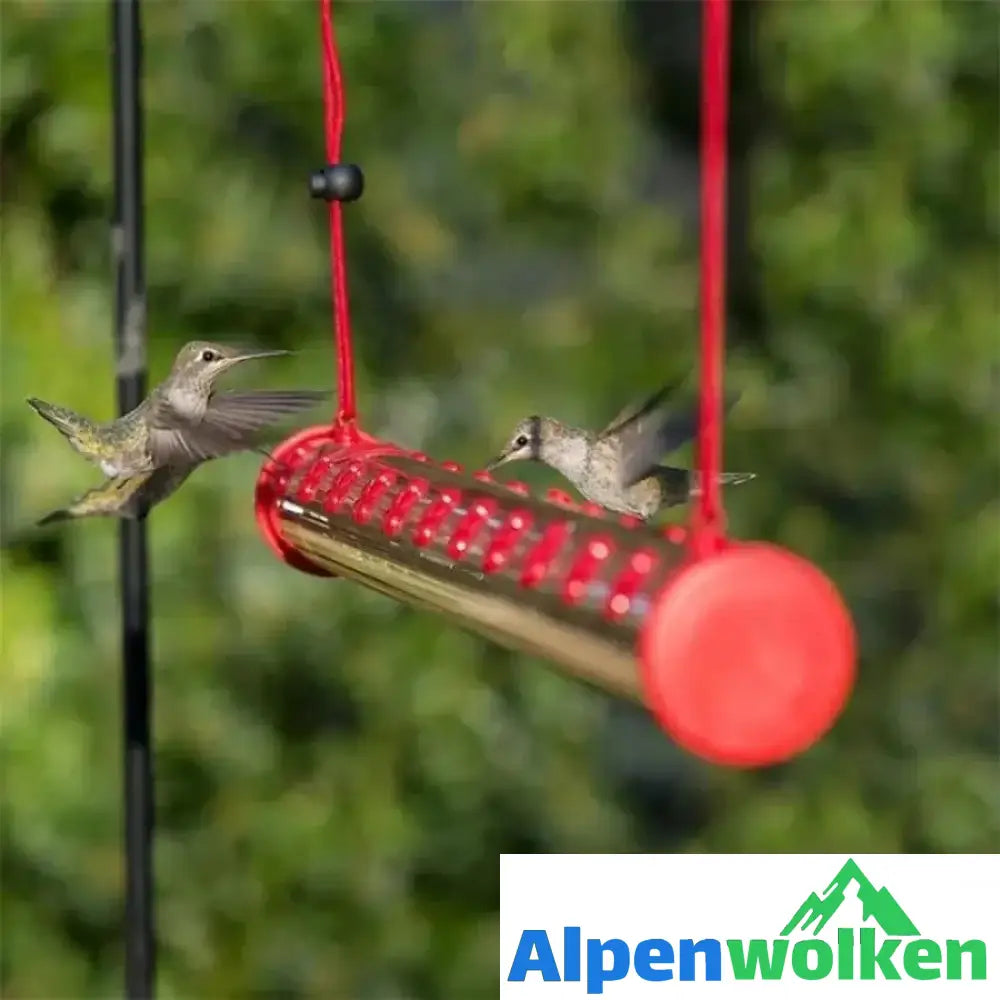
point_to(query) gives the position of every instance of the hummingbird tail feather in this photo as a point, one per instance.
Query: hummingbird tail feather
(724, 479)
(62, 514)
(63, 419)
(735, 478)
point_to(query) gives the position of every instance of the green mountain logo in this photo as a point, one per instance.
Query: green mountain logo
(877, 904)
(884, 945)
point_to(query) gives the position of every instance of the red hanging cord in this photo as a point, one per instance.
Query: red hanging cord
(333, 100)
(709, 522)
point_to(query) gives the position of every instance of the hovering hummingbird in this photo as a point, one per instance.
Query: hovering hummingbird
(150, 451)
(618, 467)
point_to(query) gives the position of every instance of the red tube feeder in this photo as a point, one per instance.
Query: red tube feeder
(744, 652)
(542, 577)
(744, 656)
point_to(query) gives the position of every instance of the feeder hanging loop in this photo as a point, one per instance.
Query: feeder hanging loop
(708, 534)
(347, 179)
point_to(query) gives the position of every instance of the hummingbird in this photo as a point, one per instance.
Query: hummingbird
(618, 467)
(149, 452)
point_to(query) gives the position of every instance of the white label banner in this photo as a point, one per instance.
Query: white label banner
(749, 925)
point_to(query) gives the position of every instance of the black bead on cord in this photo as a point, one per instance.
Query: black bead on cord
(337, 182)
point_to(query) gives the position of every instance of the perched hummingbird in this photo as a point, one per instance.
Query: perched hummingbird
(618, 467)
(150, 451)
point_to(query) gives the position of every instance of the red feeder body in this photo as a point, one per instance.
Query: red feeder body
(745, 657)
(546, 579)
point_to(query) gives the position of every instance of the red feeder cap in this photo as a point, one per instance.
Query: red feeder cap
(748, 656)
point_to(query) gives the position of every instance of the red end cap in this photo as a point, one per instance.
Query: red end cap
(271, 483)
(748, 656)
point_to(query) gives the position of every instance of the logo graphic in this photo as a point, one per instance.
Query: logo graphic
(879, 905)
(823, 940)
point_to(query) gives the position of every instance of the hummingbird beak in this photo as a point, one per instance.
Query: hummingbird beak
(501, 459)
(235, 359)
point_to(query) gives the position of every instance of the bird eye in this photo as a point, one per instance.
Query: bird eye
(208, 355)
(521, 441)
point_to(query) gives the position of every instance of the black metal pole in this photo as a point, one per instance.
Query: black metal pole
(130, 351)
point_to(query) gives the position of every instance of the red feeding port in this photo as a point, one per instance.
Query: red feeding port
(303, 466)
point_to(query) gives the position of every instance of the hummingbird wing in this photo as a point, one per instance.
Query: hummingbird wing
(124, 496)
(653, 431)
(231, 422)
(635, 409)
(113, 496)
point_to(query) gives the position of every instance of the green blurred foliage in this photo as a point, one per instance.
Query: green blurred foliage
(336, 774)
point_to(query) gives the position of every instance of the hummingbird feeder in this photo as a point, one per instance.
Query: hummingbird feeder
(744, 652)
